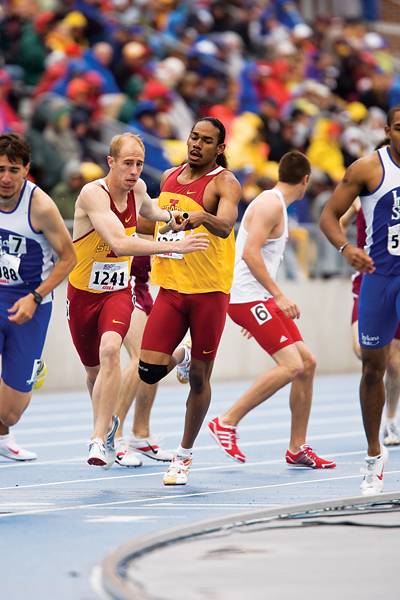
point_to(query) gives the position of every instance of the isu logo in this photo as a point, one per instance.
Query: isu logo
(173, 202)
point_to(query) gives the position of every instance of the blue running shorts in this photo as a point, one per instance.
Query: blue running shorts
(21, 346)
(378, 310)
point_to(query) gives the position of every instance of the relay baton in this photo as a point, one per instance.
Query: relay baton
(167, 227)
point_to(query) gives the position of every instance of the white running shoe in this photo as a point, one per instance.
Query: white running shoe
(178, 471)
(391, 435)
(183, 368)
(373, 474)
(125, 455)
(149, 447)
(10, 449)
(97, 453)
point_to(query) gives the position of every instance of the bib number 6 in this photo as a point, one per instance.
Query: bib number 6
(261, 313)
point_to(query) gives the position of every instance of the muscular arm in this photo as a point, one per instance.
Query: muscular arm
(95, 203)
(229, 191)
(46, 217)
(263, 219)
(347, 190)
(149, 208)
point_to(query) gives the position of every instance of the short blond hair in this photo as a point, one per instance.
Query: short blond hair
(118, 140)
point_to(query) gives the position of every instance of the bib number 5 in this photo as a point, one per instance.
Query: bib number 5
(394, 240)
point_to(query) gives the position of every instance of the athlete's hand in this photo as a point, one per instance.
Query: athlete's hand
(191, 243)
(288, 307)
(359, 259)
(22, 310)
(179, 221)
(195, 219)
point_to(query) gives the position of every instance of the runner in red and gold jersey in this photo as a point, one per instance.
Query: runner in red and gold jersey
(193, 294)
(99, 296)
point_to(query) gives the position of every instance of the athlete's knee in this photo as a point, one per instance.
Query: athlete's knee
(150, 373)
(309, 364)
(9, 416)
(110, 351)
(372, 371)
(294, 368)
(198, 379)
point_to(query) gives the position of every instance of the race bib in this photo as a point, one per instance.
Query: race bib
(260, 313)
(109, 277)
(394, 240)
(9, 269)
(170, 236)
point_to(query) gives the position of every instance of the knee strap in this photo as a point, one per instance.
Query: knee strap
(151, 373)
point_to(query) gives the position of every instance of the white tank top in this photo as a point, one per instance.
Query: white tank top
(245, 287)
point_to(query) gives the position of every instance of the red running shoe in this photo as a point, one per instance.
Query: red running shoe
(226, 438)
(308, 458)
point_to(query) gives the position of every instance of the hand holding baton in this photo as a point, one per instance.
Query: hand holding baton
(167, 227)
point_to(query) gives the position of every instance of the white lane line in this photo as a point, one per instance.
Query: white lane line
(328, 436)
(42, 463)
(226, 465)
(166, 505)
(272, 406)
(256, 427)
(189, 495)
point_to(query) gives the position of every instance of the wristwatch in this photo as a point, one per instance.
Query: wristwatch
(37, 297)
(170, 216)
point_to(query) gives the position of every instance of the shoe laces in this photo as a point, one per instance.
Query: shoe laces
(370, 470)
(179, 464)
(308, 451)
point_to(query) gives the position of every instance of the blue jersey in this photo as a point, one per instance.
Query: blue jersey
(26, 256)
(382, 216)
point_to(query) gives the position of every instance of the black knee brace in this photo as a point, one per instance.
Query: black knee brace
(151, 373)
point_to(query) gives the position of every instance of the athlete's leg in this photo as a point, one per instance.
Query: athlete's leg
(289, 365)
(372, 394)
(198, 400)
(13, 403)
(300, 398)
(107, 384)
(130, 378)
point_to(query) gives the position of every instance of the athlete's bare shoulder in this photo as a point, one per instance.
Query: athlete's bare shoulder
(266, 207)
(166, 174)
(364, 170)
(226, 181)
(89, 194)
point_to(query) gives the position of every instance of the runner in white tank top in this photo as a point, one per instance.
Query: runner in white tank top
(245, 286)
(259, 306)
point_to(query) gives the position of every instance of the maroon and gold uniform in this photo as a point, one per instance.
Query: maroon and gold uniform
(194, 287)
(99, 296)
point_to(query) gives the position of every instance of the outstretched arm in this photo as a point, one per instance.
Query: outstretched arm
(94, 201)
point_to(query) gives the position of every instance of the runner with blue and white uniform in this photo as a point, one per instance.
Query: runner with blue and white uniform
(31, 232)
(376, 179)
(379, 304)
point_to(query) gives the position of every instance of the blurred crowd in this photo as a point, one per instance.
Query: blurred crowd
(74, 72)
